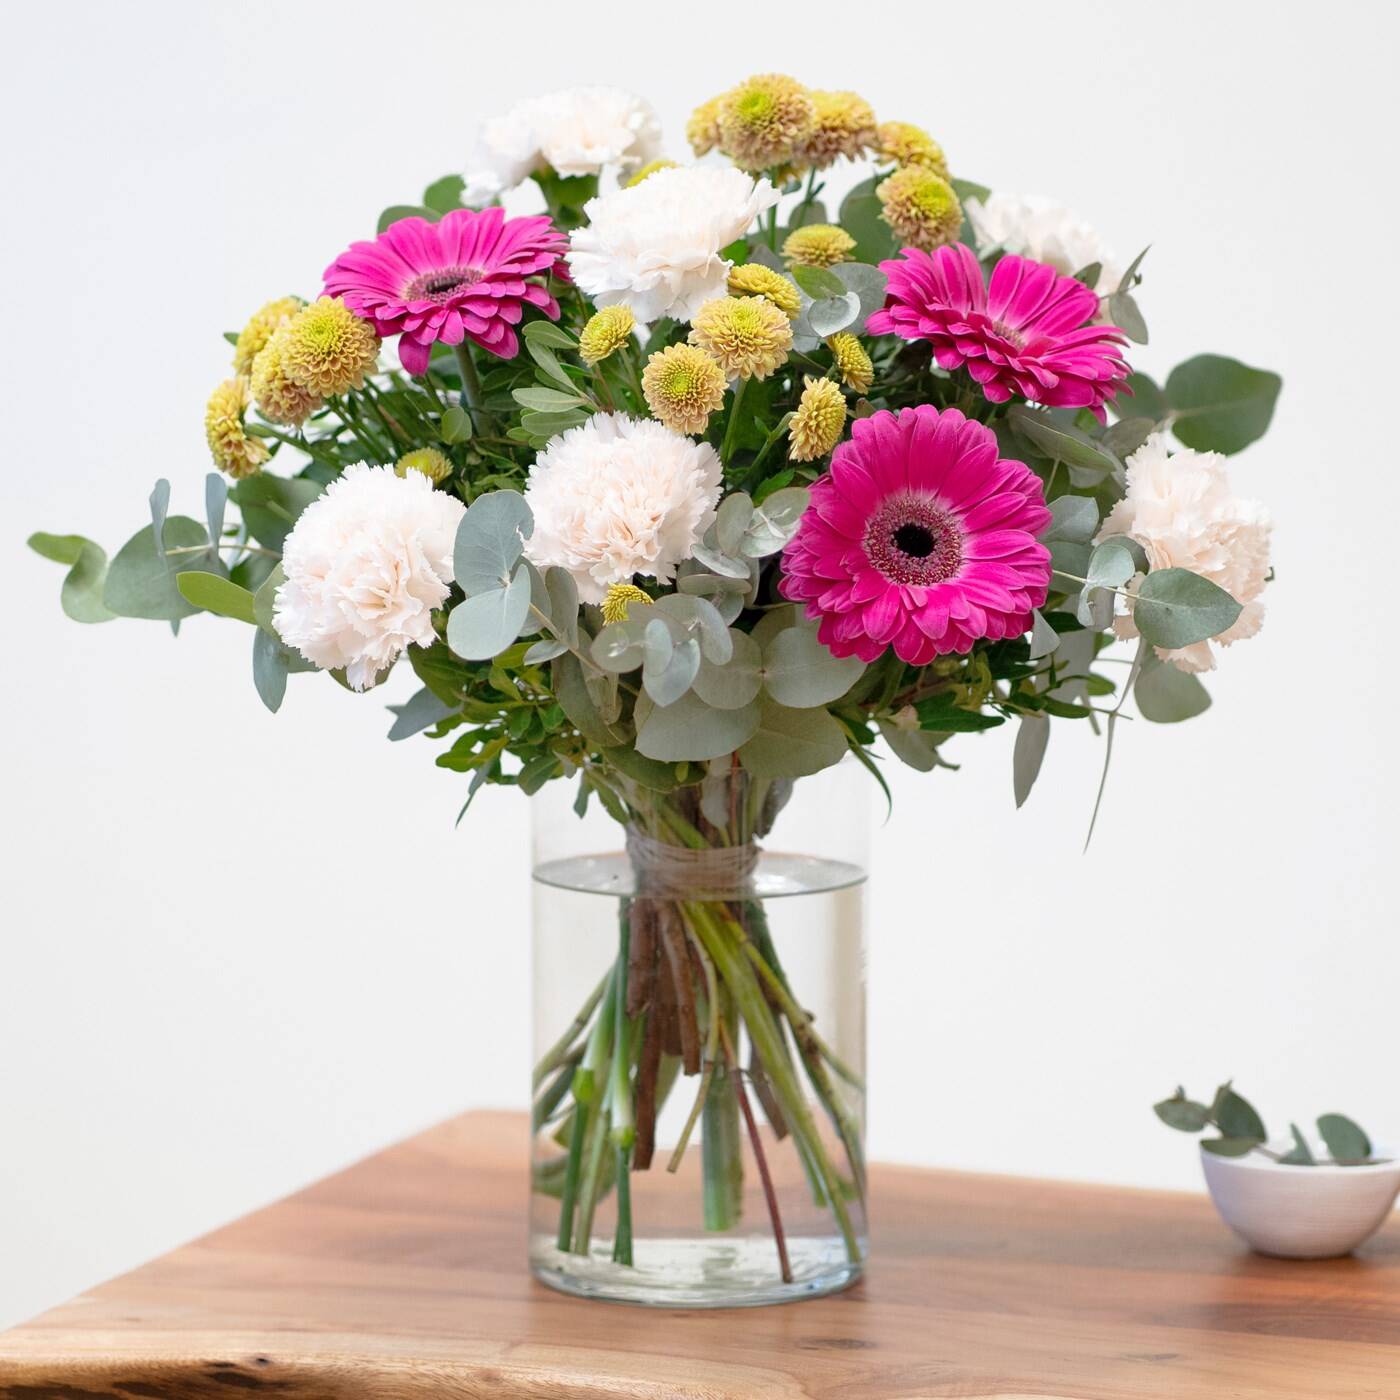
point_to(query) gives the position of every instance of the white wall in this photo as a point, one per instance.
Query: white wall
(240, 951)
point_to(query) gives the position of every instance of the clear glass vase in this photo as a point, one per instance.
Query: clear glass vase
(699, 1039)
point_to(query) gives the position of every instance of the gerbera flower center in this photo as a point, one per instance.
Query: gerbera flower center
(913, 540)
(439, 284)
(1014, 337)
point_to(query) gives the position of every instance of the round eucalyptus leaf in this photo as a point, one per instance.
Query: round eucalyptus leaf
(141, 580)
(1219, 404)
(690, 730)
(265, 599)
(81, 594)
(618, 646)
(731, 520)
(1345, 1140)
(775, 522)
(485, 624)
(792, 743)
(736, 682)
(832, 314)
(1112, 563)
(1166, 695)
(668, 666)
(720, 562)
(490, 540)
(1073, 518)
(799, 671)
(1176, 608)
(699, 617)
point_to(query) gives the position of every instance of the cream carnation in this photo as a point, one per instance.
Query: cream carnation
(366, 564)
(619, 496)
(576, 131)
(1179, 508)
(656, 246)
(1045, 231)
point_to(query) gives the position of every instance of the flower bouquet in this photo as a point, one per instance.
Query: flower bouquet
(697, 483)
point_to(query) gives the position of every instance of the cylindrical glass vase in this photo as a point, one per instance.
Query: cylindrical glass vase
(699, 1039)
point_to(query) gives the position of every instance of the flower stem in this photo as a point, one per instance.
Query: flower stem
(731, 428)
(760, 1159)
(471, 389)
(557, 1053)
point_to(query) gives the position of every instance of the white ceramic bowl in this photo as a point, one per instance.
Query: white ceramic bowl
(1301, 1212)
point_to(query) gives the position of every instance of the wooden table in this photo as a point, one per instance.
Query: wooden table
(404, 1276)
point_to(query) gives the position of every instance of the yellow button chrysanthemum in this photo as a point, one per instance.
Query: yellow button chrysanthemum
(920, 207)
(852, 363)
(764, 120)
(702, 130)
(619, 598)
(747, 336)
(607, 330)
(907, 144)
(259, 329)
(756, 280)
(817, 425)
(844, 126)
(280, 399)
(230, 446)
(329, 349)
(818, 245)
(683, 386)
(428, 460)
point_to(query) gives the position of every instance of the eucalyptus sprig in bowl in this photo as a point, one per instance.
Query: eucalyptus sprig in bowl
(1298, 1199)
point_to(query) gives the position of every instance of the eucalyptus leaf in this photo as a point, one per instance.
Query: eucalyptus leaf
(1175, 608)
(818, 282)
(265, 599)
(486, 623)
(83, 584)
(1300, 1154)
(832, 314)
(720, 562)
(1073, 518)
(270, 505)
(775, 522)
(544, 650)
(668, 667)
(1057, 440)
(736, 682)
(142, 583)
(395, 212)
(490, 541)
(692, 730)
(444, 195)
(543, 400)
(216, 594)
(1112, 563)
(571, 691)
(1237, 1118)
(421, 711)
(1219, 404)
(160, 507)
(1032, 737)
(563, 604)
(799, 671)
(618, 646)
(1124, 313)
(731, 521)
(1125, 437)
(215, 498)
(792, 743)
(1166, 695)
(269, 669)
(699, 618)
(1044, 638)
(914, 747)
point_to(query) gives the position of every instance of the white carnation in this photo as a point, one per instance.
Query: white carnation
(366, 564)
(1045, 231)
(656, 247)
(618, 496)
(1179, 508)
(576, 131)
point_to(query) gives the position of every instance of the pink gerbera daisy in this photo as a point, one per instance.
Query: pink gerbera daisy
(466, 277)
(919, 537)
(1026, 333)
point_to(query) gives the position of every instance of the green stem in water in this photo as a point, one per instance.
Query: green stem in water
(721, 1145)
(558, 1052)
(622, 1240)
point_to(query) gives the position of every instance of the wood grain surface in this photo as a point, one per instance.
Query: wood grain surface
(405, 1277)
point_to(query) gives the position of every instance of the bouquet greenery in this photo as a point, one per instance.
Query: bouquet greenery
(691, 486)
